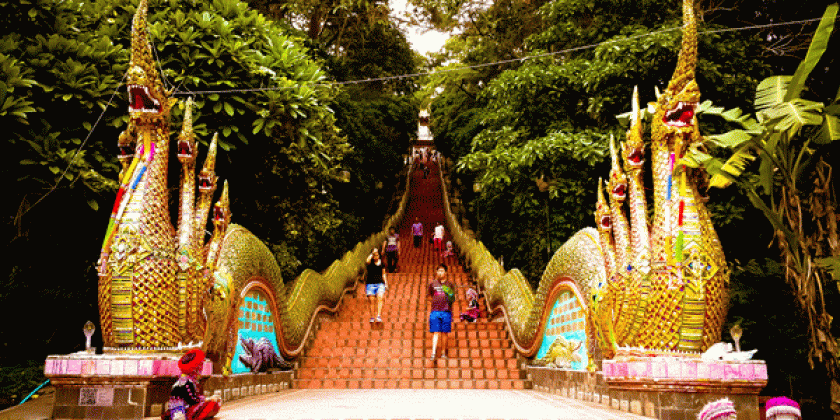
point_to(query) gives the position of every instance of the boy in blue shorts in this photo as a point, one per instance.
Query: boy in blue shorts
(442, 292)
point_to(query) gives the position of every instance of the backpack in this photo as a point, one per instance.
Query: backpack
(450, 294)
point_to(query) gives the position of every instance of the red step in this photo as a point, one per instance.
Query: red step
(348, 351)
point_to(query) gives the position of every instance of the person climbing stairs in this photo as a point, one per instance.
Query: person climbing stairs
(348, 351)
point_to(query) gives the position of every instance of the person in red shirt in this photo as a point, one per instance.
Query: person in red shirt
(442, 292)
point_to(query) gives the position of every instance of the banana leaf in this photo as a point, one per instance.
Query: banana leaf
(832, 265)
(771, 92)
(829, 131)
(815, 51)
(793, 115)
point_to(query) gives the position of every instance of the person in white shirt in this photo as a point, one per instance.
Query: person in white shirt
(439, 231)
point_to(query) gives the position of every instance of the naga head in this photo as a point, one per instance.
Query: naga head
(602, 210)
(221, 211)
(678, 107)
(618, 180)
(186, 139)
(634, 148)
(675, 108)
(147, 100)
(207, 177)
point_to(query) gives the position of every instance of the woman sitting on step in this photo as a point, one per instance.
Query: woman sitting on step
(472, 312)
(376, 283)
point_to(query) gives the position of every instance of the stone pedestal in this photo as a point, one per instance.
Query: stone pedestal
(662, 388)
(112, 386)
(678, 388)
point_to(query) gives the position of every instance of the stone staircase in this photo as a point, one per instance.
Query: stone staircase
(350, 352)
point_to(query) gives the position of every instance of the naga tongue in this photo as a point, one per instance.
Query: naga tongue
(138, 101)
(686, 116)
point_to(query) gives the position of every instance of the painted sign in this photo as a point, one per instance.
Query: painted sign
(98, 396)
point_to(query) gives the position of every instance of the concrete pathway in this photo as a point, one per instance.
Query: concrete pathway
(460, 404)
(304, 404)
(35, 409)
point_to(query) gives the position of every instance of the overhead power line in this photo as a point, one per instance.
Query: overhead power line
(402, 76)
(489, 64)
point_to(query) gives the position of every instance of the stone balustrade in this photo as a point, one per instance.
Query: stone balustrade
(662, 388)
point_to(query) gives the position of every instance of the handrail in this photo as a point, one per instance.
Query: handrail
(525, 311)
(339, 277)
(297, 304)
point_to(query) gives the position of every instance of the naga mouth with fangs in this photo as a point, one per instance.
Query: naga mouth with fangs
(204, 183)
(680, 116)
(606, 222)
(126, 152)
(185, 150)
(620, 190)
(140, 100)
(218, 214)
(636, 158)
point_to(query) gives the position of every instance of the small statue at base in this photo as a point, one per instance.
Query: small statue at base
(186, 401)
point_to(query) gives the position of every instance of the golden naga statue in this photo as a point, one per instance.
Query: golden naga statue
(643, 287)
(160, 287)
(152, 278)
(665, 279)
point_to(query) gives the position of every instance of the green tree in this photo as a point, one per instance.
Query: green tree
(550, 117)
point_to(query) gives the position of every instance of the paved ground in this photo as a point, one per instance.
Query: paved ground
(460, 404)
(301, 404)
(35, 409)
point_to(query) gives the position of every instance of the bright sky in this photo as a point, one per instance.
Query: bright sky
(422, 43)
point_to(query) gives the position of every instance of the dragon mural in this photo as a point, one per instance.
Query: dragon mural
(162, 287)
(260, 356)
(562, 353)
(647, 286)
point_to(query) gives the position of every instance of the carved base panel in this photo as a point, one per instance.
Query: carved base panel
(112, 386)
(136, 386)
(638, 391)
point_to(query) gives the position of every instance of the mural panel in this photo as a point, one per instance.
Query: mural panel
(564, 338)
(256, 348)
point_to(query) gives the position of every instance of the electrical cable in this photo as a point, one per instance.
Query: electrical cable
(494, 63)
(388, 78)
